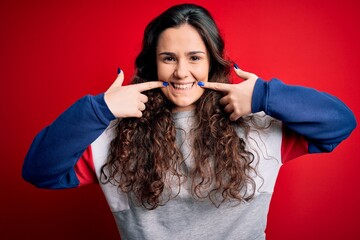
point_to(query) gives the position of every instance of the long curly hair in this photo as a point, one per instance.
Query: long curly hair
(139, 163)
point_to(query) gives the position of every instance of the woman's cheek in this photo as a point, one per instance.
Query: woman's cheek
(164, 91)
(202, 73)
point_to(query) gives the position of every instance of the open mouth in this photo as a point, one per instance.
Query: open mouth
(182, 86)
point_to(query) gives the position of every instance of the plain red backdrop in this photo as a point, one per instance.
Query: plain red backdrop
(54, 52)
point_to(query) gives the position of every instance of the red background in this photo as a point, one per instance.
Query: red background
(54, 52)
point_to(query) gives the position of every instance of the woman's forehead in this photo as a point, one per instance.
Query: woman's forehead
(183, 38)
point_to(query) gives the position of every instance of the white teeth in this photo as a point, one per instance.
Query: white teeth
(183, 86)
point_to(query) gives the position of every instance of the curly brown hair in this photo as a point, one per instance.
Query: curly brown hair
(139, 163)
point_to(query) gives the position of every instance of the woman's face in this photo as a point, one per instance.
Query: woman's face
(182, 61)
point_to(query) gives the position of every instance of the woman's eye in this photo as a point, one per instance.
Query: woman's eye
(169, 59)
(195, 58)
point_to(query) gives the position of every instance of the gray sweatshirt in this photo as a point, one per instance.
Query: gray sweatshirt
(186, 217)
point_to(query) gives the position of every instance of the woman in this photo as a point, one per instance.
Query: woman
(181, 153)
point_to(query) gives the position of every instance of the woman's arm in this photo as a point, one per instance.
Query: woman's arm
(321, 118)
(53, 158)
(56, 149)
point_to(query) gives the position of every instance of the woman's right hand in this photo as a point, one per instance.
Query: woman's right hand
(128, 101)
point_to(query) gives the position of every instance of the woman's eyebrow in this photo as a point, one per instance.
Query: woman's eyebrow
(196, 52)
(189, 53)
(167, 53)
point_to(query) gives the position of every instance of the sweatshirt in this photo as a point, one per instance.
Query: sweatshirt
(70, 152)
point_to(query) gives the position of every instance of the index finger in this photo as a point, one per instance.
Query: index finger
(149, 85)
(222, 87)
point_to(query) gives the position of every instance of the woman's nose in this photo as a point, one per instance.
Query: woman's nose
(181, 70)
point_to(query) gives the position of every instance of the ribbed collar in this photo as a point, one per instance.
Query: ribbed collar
(183, 114)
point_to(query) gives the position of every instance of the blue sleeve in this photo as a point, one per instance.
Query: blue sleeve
(55, 150)
(321, 118)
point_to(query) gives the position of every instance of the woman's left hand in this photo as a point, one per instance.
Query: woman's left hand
(237, 97)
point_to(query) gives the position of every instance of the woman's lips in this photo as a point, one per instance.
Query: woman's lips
(182, 86)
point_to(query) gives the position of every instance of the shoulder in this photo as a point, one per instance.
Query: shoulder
(261, 124)
(264, 133)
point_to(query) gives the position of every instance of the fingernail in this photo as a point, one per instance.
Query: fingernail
(236, 66)
(201, 84)
(119, 70)
(165, 84)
